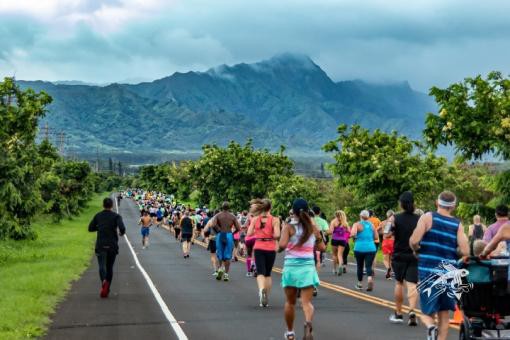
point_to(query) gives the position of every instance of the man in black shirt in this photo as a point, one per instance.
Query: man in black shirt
(404, 263)
(106, 223)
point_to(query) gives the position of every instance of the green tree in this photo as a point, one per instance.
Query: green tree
(237, 173)
(377, 167)
(19, 196)
(474, 116)
(287, 188)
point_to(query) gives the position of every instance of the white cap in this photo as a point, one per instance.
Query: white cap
(364, 213)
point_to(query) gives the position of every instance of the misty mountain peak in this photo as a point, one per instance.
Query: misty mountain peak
(291, 59)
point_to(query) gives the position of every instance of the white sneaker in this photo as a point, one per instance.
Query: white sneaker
(395, 318)
(263, 298)
(432, 333)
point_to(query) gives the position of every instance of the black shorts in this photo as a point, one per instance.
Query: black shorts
(212, 246)
(152, 215)
(159, 219)
(177, 232)
(405, 271)
(338, 243)
(186, 237)
(264, 261)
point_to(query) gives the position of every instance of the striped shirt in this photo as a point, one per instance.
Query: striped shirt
(438, 244)
(304, 251)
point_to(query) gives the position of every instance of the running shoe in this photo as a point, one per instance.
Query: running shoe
(339, 272)
(388, 274)
(432, 333)
(225, 277)
(219, 275)
(315, 292)
(358, 286)
(370, 286)
(290, 335)
(105, 289)
(396, 318)
(413, 321)
(345, 269)
(308, 331)
(215, 273)
(263, 298)
(249, 274)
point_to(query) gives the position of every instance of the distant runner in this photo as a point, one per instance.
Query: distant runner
(210, 232)
(108, 226)
(145, 222)
(186, 224)
(225, 240)
(340, 234)
(365, 235)
(266, 229)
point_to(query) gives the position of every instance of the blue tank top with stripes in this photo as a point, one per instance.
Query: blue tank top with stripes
(438, 244)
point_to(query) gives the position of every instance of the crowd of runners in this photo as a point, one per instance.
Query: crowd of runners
(413, 244)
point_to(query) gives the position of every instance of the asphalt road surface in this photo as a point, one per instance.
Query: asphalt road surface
(199, 307)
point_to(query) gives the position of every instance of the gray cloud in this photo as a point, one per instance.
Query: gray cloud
(425, 42)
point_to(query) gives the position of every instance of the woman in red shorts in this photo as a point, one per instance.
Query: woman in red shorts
(387, 243)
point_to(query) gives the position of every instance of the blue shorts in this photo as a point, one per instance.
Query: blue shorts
(145, 232)
(431, 306)
(224, 246)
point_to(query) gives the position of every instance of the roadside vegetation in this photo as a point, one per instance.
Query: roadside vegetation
(35, 274)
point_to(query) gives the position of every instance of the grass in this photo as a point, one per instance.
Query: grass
(36, 275)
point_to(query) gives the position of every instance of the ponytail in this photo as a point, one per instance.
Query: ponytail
(307, 224)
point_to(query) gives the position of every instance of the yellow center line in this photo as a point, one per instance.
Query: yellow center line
(346, 291)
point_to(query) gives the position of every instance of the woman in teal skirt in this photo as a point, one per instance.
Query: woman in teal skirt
(300, 238)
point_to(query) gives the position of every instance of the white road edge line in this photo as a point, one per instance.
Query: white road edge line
(164, 308)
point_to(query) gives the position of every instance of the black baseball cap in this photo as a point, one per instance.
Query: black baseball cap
(300, 204)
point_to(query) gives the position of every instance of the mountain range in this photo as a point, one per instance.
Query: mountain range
(286, 100)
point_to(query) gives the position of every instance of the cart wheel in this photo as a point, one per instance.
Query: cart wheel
(463, 334)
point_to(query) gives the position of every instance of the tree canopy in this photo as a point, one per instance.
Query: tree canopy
(474, 116)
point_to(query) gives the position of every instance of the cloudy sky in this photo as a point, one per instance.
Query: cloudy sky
(429, 42)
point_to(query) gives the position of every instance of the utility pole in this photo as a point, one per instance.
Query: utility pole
(119, 168)
(46, 131)
(97, 159)
(62, 137)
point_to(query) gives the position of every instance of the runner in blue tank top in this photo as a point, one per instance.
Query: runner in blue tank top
(365, 236)
(436, 239)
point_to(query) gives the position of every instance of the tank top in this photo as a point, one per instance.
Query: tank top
(304, 251)
(365, 239)
(477, 232)
(340, 233)
(264, 239)
(186, 225)
(438, 244)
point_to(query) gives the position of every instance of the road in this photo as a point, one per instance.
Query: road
(203, 308)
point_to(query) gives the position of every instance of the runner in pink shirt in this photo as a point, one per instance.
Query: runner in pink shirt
(266, 230)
